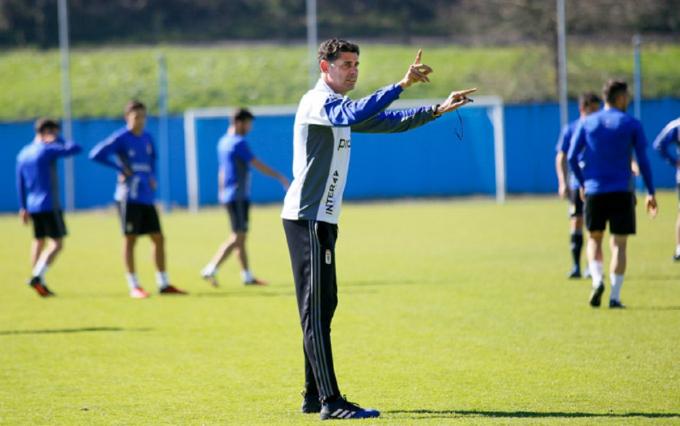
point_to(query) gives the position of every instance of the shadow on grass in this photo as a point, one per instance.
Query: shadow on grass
(655, 308)
(426, 414)
(244, 293)
(70, 330)
(383, 282)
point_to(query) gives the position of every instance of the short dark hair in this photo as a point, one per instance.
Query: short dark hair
(587, 99)
(331, 48)
(43, 125)
(134, 105)
(613, 89)
(242, 114)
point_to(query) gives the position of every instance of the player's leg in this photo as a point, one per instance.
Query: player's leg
(129, 216)
(311, 402)
(158, 252)
(576, 232)
(136, 290)
(305, 258)
(617, 268)
(151, 224)
(37, 246)
(596, 215)
(622, 224)
(225, 249)
(54, 228)
(209, 271)
(241, 224)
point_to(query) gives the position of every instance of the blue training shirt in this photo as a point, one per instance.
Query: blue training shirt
(36, 172)
(234, 158)
(563, 146)
(670, 136)
(603, 144)
(125, 150)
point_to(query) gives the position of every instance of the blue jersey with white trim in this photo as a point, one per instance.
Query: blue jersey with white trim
(322, 144)
(669, 138)
(136, 153)
(36, 174)
(601, 151)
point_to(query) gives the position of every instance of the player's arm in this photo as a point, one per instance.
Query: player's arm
(152, 160)
(396, 121)
(561, 167)
(576, 145)
(266, 170)
(561, 170)
(104, 151)
(64, 149)
(407, 119)
(243, 152)
(663, 141)
(21, 192)
(342, 111)
(640, 147)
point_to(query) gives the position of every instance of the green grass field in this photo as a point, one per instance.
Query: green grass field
(451, 311)
(200, 76)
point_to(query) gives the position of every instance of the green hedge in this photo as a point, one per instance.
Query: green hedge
(104, 79)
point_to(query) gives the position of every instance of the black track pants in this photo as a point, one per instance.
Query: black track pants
(311, 245)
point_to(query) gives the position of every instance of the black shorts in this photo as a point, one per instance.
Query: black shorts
(138, 219)
(617, 208)
(239, 214)
(48, 224)
(575, 203)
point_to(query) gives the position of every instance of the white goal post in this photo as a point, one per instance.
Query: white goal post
(494, 105)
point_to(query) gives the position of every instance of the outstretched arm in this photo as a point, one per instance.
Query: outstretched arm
(407, 119)
(67, 149)
(342, 111)
(265, 169)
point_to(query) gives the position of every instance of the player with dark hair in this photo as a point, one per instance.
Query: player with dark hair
(321, 147)
(38, 190)
(131, 152)
(235, 158)
(588, 103)
(600, 157)
(669, 136)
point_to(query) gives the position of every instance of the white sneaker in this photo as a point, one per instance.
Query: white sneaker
(210, 277)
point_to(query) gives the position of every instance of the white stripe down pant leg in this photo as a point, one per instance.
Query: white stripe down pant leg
(311, 245)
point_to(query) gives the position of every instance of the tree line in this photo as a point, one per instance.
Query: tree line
(33, 23)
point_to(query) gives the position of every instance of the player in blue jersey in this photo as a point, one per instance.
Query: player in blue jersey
(666, 140)
(588, 103)
(131, 152)
(235, 158)
(324, 122)
(600, 157)
(38, 190)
